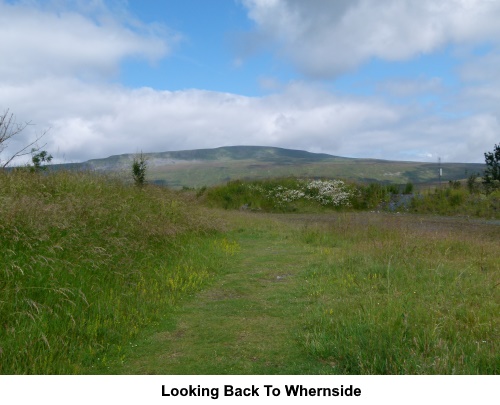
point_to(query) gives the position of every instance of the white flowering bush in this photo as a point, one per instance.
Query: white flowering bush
(329, 192)
(292, 194)
(325, 192)
(284, 194)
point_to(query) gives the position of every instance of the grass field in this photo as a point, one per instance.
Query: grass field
(101, 277)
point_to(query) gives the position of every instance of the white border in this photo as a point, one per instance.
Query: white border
(124, 390)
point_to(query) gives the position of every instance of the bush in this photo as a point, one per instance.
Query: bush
(460, 201)
(283, 194)
(139, 168)
(473, 185)
(408, 188)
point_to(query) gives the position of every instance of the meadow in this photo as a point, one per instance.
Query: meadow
(98, 276)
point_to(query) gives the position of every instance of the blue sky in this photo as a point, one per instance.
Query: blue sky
(387, 79)
(207, 55)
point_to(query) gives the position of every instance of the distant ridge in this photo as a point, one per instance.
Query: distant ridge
(262, 153)
(208, 167)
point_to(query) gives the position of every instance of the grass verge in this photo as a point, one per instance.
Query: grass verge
(87, 263)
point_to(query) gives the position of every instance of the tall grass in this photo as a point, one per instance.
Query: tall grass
(393, 299)
(457, 200)
(86, 262)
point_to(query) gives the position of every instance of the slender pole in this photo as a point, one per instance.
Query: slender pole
(440, 172)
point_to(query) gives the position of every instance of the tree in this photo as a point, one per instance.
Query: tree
(139, 168)
(491, 178)
(39, 159)
(9, 129)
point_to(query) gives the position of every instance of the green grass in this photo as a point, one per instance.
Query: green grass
(87, 263)
(101, 277)
(458, 201)
(244, 323)
(341, 293)
(391, 298)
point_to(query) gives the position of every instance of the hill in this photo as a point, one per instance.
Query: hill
(207, 167)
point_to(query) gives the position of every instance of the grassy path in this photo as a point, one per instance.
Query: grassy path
(338, 294)
(246, 323)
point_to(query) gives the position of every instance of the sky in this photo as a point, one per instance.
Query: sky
(412, 80)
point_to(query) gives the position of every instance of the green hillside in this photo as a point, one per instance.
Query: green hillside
(207, 167)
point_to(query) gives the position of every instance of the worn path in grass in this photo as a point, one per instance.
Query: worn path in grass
(245, 323)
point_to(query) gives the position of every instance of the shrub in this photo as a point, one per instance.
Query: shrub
(472, 184)
(283, 194)
(460, 201)
(139, 168)
(408, 188)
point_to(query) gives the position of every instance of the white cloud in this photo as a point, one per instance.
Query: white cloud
(412, 87)
(326, 38)
(38, 42)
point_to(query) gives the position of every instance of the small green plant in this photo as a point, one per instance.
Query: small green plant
(458, 201)
(201, 191)
(40, 160)
(393, 188)
(370, 196)
(139, 169)
(473, 185)
(408, 188)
